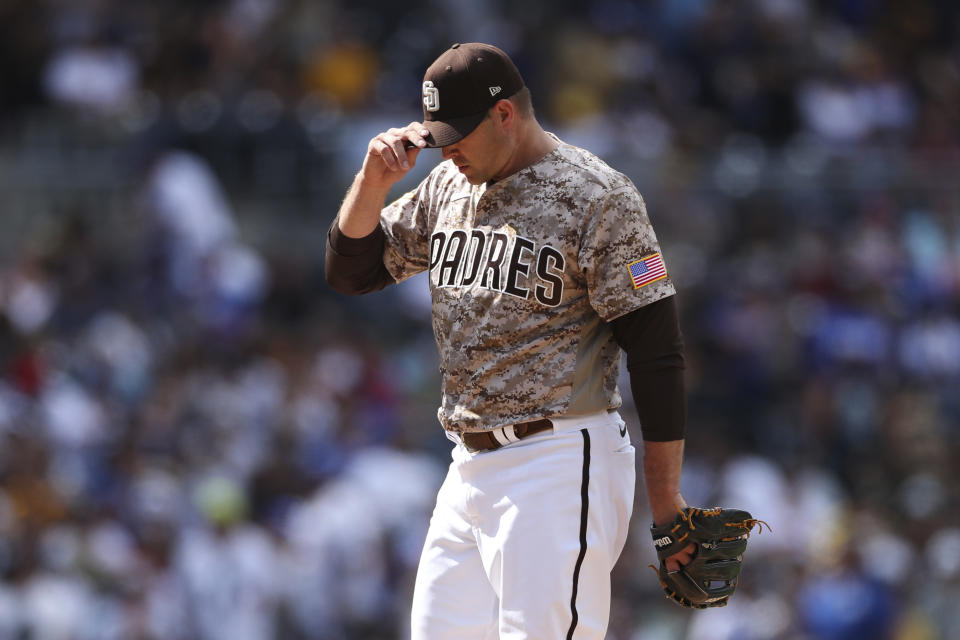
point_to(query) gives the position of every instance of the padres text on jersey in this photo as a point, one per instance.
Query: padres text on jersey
(497, 262)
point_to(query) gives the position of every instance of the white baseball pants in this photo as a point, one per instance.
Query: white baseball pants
(522, 539)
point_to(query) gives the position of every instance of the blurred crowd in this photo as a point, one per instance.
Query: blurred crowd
(198, 440)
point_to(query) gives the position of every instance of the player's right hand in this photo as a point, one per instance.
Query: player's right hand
(391, 154)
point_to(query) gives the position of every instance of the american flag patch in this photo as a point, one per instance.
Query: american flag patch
(647, 270)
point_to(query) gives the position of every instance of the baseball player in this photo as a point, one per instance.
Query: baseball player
(543, 265)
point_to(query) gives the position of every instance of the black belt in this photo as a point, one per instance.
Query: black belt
(476, 441)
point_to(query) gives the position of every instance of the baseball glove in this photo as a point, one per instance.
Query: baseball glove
(720, 536)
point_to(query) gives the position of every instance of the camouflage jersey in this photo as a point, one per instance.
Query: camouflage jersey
(525, 274)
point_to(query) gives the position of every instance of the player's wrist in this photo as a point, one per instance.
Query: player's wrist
(373, 182)
(664, 509)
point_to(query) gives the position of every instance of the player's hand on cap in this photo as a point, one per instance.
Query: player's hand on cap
(391, 154)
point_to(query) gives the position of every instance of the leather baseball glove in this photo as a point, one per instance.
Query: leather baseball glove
(720, 536)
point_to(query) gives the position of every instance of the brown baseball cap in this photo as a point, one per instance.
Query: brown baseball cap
(461, 86)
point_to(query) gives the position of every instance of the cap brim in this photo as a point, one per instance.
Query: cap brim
(453, 130)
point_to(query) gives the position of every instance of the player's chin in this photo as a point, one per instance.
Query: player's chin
(472, 176)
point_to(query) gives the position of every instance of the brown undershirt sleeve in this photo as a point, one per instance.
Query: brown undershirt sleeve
(355, 265)
(651, 337)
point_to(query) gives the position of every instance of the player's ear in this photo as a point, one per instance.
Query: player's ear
(504, 114)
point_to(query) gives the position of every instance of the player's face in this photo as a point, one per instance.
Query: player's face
(483, 154)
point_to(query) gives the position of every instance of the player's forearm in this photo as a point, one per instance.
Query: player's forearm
(360, 212)
(354, 259)
(662, 464)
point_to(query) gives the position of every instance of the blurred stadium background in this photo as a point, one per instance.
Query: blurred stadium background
(198, 440)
